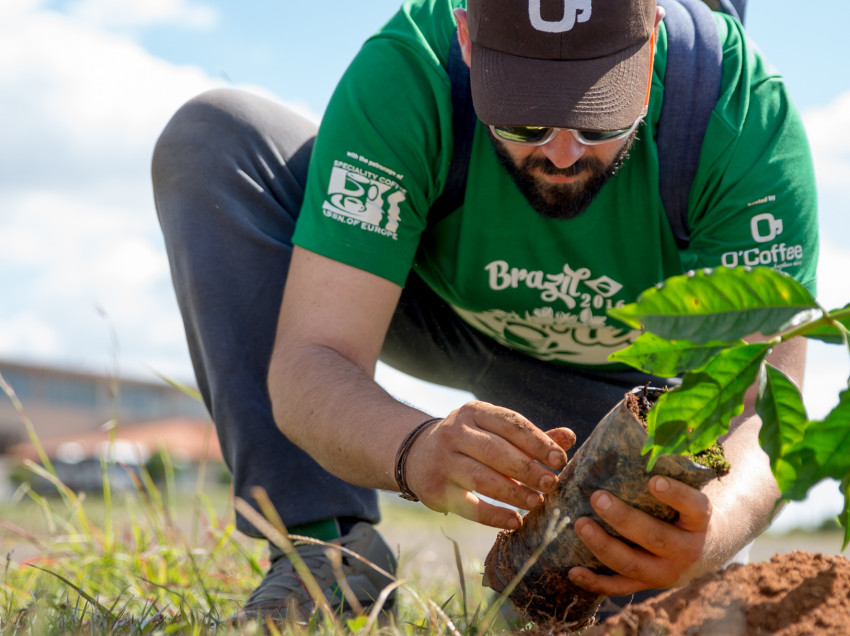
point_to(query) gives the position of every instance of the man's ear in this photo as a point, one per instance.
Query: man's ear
(463, 35)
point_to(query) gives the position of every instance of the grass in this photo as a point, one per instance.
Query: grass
(155, 561)
(121, 564)
(158, 560)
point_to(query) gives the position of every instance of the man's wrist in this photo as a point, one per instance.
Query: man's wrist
(400, 472)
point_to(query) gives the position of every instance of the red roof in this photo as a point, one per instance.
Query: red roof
(189, 439)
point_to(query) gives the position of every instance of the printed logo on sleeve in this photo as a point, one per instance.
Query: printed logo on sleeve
(766, 228)
(365, 194)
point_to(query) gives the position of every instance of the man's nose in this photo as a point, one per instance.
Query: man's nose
(564, 150)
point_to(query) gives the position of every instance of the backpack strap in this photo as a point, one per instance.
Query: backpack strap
(735, 8)
(691, 89)
(463, 128)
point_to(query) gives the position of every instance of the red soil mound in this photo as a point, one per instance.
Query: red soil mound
(791, 595)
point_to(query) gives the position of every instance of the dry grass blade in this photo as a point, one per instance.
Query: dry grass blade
(341, 548)
(379, 605)
(449, 625)
(459, 564)
(88, 597)
(271, 627)
(280, 538)
(335, 557)
(183, 388)
(69, 496)
(33, 436)
(27, 536)
(555, 527)
(433, 614)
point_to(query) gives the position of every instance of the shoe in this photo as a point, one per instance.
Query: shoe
(282, 596)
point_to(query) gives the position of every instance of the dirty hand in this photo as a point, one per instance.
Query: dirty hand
(489, 450)
(665, 554)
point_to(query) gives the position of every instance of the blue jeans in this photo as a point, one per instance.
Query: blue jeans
(228, 174)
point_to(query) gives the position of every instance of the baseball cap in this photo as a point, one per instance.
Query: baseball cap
(568, 63)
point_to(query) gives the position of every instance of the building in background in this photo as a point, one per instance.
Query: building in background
(81, 418)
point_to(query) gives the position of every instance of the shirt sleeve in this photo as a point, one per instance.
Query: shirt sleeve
(754, 200)
(381, 154)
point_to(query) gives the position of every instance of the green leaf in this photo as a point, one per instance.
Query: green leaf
(721, 304)
(795, 473)
(787, 477)
(824, 452)
(667, 358)
(356, 624)
(782, 413)
(690, 418)
(831, 333)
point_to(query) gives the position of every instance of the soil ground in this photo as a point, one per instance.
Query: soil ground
(795, 584)
(794, 594)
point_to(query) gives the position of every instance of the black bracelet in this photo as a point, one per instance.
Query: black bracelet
(401, 459)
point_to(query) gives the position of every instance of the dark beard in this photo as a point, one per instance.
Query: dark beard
(562, 200)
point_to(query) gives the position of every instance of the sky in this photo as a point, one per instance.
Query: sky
(87, 85)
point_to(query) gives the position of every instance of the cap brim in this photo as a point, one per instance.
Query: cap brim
(599, 94)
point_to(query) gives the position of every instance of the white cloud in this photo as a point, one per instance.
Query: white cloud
(833, 267)
(65, 258)
(141, 13)
(81, 111)
(81, 106)
(827, 366)
(831, 148)
(11, 8)
(27, 330)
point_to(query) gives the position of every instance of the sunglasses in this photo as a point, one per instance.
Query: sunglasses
(539, 135)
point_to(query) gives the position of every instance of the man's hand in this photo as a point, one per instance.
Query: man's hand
(668, 553)
(489, 450)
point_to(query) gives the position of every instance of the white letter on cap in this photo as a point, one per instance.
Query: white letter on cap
(574, 10)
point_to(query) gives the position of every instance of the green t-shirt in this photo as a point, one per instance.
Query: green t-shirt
(539, 285)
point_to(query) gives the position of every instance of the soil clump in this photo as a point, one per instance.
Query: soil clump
(794, 594)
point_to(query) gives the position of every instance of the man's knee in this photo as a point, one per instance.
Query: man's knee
(224, 127)
(198, 128)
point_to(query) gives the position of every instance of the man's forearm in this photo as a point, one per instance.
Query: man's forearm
(336, 412)
(744, 501)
